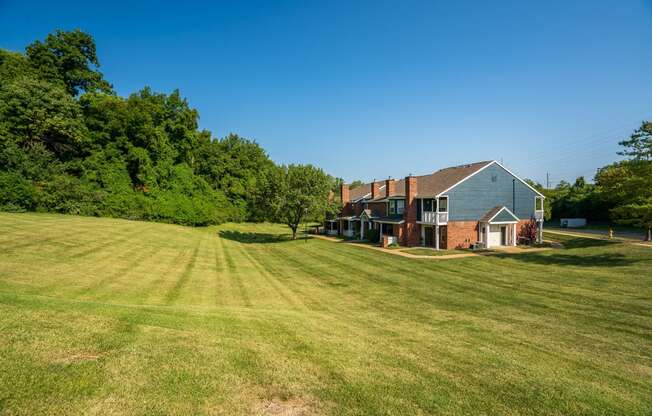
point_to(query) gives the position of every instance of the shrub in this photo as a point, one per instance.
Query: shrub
(16, 193)
(372, 235)
(529, 231)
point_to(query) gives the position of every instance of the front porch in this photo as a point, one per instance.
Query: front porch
(331, 227)
(434, 236)
(498, 228)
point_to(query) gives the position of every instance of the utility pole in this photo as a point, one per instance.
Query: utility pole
(547, 180)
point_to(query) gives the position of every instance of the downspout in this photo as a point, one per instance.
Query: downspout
(514, 196)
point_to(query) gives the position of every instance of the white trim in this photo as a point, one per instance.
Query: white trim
(503, 222)
(448, 203)
(522, 181)
(469, 176)
(389, 222)
(483, 168)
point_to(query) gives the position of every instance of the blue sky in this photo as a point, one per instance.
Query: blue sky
(370, 89)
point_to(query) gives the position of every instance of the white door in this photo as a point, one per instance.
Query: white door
(494, 235)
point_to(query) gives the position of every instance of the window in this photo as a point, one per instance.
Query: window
(538, 203)
(443, 204)
(396, 206)
(400, 206)
(427, 205)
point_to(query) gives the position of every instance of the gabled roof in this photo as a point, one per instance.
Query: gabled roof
(499, 214)
(359, 192)
(444, 179)
(432, 185)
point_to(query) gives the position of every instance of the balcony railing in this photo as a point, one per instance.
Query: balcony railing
(430, 217)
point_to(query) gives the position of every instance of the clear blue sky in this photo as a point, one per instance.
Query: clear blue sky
(352, 86)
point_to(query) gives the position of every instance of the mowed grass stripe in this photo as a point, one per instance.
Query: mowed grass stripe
(156, 323)
(282, 296)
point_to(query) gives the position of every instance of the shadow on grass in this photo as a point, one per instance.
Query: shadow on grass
(580, 242)
(591, 260)
(257, 238)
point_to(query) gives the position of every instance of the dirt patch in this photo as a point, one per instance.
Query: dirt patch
(76, 358)
(290, 407)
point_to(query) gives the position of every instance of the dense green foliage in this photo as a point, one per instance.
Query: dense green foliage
(69, 144)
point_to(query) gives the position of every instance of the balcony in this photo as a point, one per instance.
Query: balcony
(430, 217)
(538, 215)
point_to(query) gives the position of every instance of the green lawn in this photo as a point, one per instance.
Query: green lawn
(432, 252)
(101, 316)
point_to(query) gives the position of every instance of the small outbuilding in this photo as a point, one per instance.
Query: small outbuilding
(572, 222)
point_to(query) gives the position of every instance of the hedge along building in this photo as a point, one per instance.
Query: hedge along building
(451, 208)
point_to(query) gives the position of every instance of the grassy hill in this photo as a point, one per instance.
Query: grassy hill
(101, 316)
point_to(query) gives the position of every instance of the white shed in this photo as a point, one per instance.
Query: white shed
(572, 222)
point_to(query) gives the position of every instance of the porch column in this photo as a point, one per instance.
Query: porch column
(436, 237)
(380, 226)
(423, 234)
(361, 228)
(540, 232)
(514, 235)
(487, 234)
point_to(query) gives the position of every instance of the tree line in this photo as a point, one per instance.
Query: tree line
(70, 144)
(620, 192)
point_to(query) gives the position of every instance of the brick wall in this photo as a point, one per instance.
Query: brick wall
(461, 234)
(398, 232)
(378, 208)
(390, 187)
(375, 189)
(347, 207)
(411, 235)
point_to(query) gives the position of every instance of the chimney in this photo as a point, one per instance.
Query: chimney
(375, 189)
(412, 237)
(410, 190)
(390, 187)
(344, 193)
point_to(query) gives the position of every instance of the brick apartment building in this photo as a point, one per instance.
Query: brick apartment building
(452, 208)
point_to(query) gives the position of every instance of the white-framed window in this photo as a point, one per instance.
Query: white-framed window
(443, 204)
(400, 206)
(538, 203)
(396, 206)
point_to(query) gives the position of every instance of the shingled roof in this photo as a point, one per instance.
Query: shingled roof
(428, 186)
(436, 183)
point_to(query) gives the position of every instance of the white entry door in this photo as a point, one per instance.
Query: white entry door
(495, 236)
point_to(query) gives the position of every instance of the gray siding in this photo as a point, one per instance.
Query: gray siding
(503, 216)
(492, 187)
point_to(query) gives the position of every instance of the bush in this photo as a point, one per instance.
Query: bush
(372, 235)
(16, 193)
(529, 231)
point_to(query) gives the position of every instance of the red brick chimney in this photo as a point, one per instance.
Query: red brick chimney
(344, 193)
(410, 214)
(390, 187)
(375, 189)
